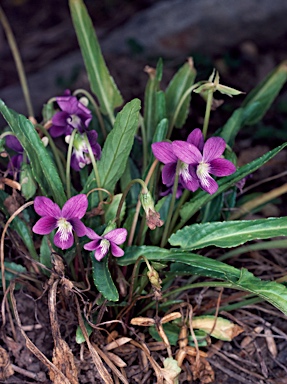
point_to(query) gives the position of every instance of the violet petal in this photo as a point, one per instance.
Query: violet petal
(13, 143)
(56, 131)
(117, 236)
(60, 118)
(76, 206)
(186, 152)
(63, 244)
(191, 184)
(75, 161)
(168, 173)
(100, 253)
(213, 148)
(92, 234)
(68, 104)
(196, 138)
(116, 251)
(163, 152)
(221, 167)
(208, 184)
(46, 207)
(78, 226)
(92, 245)
(45, 225)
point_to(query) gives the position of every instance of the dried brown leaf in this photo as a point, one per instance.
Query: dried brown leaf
(170, 317)
(272, 348)
(6, 369)
(201, 370)
(117, 343)
(63, 359)
(142, 321)
(116, 360)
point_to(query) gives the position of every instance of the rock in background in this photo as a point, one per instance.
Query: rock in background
(170, 28)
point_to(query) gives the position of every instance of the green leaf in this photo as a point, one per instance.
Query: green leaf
(270, 291)
(228, 234)
(43, 167)
(20, 227)
(201, 198)
(14, 270)
(111, 209)
(182, 80)
(160, 106)
(264, 94)
(117, 148)
(150, 100)
(172, 333)
(80, 338)
(161, 131)
(103, 279)
(102, 84)
(28, 185)
(212, 210)
(45, 255)
(201, 265)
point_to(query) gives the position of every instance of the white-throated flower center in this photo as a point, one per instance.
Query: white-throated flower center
(104, 245)
(202, 172)
(184, 172)
(64, 228)
(74, 121)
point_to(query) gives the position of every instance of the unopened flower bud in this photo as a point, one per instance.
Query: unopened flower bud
(152, 217)
(154, 278)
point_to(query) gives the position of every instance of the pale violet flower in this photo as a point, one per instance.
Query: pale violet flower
(80, 156)
(65, 220)
(107, 242)
(163, 151)
(204, 160)
(72, 115)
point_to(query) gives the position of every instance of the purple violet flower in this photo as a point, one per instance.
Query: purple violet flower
(208, 162)
(73, 115)
(163, 151)
(66, 219)
(80, 156)
(15, 162)
(102, 244)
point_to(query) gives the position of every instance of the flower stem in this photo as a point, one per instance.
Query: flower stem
(54, 150)
(144, 142)
(95, 167)
(182, 100)
(8, 133)
(171, 207)
(68, 167)
(182, 200)
(126, 191)
(209, 284)
(96, 107)
(207, 112)
(18, 61)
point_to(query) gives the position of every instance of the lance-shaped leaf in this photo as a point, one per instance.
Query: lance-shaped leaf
(228, 234)
(117, 148)
(103, 279)
(102, 84)
(200, 198)
(44, 171)
(151, 99)
(262, 96)
(18, 225)
(270, 291)
(180, 83)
